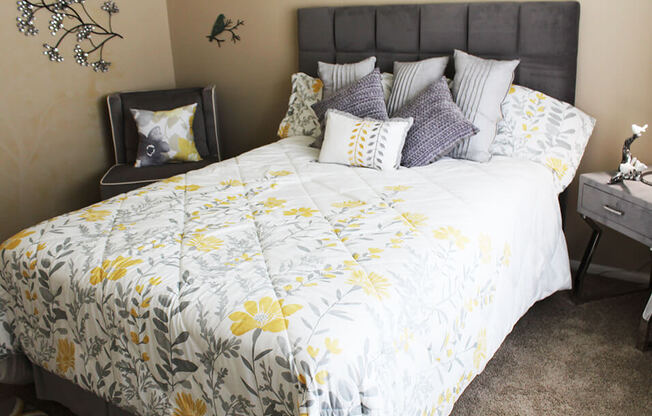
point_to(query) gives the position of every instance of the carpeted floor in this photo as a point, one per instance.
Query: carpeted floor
(560, 359)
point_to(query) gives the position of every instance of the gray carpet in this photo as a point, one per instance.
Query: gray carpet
(560, 359)
(563, 359)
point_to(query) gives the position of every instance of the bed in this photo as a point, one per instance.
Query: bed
(272, 284)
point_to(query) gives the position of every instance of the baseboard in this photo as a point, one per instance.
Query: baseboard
(613, 272)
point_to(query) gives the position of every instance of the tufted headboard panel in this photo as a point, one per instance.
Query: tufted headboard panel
(543, 35)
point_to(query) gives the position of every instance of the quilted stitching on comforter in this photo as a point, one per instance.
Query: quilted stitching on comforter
(271, 284)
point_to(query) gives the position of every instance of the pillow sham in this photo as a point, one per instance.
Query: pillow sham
(438, 125)
(411, 78)
(545, 130)
(165, 136)
(338, 76)
(363, 142)
(387, 80)
(363, 99)
(479, 87)
(300, 119)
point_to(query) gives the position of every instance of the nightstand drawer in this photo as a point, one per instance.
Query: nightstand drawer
(612, 210)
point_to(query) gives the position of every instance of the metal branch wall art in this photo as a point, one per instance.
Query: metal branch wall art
(71, 18)
(221, 25)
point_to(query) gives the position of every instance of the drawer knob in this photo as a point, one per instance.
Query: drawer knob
(612, 210)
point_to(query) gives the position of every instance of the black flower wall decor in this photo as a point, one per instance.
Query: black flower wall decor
(71, 18)
(223, 24)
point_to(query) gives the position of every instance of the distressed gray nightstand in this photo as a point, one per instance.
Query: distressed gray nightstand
(625, 207)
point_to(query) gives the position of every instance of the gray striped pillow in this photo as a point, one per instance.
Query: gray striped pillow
(411, 78)
(338, 76)
(479, 87)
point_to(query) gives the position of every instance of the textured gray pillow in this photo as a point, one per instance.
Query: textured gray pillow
(479, 87)
(438, 125)
(338, 76)
(364, 99)
(411, 78)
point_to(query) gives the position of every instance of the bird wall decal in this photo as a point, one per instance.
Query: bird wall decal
(223, 24)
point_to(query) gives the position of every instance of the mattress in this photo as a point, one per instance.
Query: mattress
(270, 283)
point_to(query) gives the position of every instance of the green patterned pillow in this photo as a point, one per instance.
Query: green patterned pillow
(165, 136)
(545, 130)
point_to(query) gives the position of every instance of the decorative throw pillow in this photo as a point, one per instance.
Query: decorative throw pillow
(387, 80)
(438, 125)
(479, 87)
(165, 136)
(300, 119)
(363, 99)
(338, 76)
(364, 142)
(545, 130)
(411, 78)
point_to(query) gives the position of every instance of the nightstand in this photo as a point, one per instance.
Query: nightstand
(625, 207)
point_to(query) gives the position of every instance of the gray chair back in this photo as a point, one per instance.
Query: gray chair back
(125, 133)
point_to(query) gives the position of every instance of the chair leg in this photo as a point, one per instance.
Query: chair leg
(578, 279)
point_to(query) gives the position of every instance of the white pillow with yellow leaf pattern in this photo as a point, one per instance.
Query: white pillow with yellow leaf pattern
(545, 130)
(300, 119)
(165, 136)
(363, 142)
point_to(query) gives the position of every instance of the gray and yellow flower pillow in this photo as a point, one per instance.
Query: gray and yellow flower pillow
(545, 130)
(165, 136)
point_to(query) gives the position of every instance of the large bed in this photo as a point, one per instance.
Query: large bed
(273, 284)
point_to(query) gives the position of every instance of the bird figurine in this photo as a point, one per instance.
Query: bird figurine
(223, 24)
(630, 168)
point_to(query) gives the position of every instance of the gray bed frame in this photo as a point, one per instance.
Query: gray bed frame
(543, 35)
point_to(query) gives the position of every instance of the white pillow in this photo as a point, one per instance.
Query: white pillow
(369, 143)
(545, 130)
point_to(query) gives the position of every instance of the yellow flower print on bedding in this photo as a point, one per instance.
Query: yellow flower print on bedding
(186, 405)
(348, 204)
(416, 219)
(268, 314)
(452, 234)
(65, 356)
(92, 215)
(397, 188)
(302, 212)
(557, 166)
(112, 269)
(204, 243)
(332, 345)
(373, 284)
(278, 173)
(15, 240)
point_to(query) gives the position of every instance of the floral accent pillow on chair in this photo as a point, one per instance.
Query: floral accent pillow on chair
(545, 130)
(165, 136)
(300, 119)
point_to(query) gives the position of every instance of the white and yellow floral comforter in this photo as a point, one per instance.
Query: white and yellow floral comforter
(272, 284)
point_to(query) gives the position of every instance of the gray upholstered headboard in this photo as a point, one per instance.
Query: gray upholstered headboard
(542, 34)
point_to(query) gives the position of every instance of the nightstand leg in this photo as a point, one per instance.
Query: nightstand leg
(645, 327)
(578, 279)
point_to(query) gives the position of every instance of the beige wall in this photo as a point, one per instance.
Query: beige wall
(253, 80)
(53, 137)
